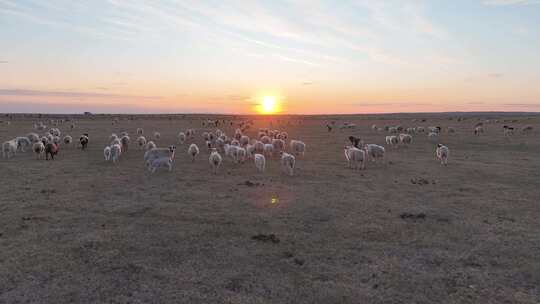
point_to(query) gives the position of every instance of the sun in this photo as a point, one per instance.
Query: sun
(269, 105)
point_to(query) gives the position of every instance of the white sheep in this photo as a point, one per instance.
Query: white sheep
(141, 141)
(39, 149)
(420, 129)
(259, 147)
(240, 155)
(33, 137)
(244, 140)
(405, 139)
(375, 152)
(116, 152)
(355, 157)
(298, 147)
(9, 148)
(215, 160)
(181, 137)
(392, 140)
(125, 140)
(266, 140)
(68, 140)
(279, 145)
(268, 150)
(260, 162)
(193, 151)
(107, 153)
(287, 163)
(442, 152)
(149, 146)
(157, 135)
(140, 131)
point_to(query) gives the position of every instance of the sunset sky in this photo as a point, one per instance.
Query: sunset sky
(311, 56)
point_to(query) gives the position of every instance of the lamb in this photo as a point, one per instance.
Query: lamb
(193, 151)
(51, 149)
(39, 149)
(405, 139)
(141, 141)
(116, 152)
(68, 140)
(84, 140)
(22, 143)
(9, 148)
(107, 153)
(155, 153)
(287, 163)
(260, 162)
(442, 152)
(140, 131)
(298, 147)
(375, 152)
(215, 160)
(355, 157)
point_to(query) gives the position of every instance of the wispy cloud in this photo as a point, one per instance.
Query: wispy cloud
(496, 75)
(3, 61)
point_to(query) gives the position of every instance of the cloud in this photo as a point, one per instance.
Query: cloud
(38, 93)
(3, 61)
(509, 2)
(307, 83)
(496, 75)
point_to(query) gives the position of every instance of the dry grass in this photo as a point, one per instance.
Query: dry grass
(80, 230)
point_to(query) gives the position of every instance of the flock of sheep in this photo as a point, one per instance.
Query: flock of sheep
(239, 147)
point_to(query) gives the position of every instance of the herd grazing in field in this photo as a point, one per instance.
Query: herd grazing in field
(267, 143)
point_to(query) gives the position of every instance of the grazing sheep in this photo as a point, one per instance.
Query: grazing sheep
(298, 147)
(181, 137)
(478, 130)
(442, 152)
(392, 140)
(193, 151)
(51, 149)
(392, 130)
(22, 143)
(356, 157)
(140, 131)
(355, 141)
(375, 152)
(68, 140)
(420, 129)
(508, 131)
(157, 135)
(405, 139)
(287, 163)
(107, 153)
(39, 149)
(434, 129)
(410, 130)
(260, 162)
(527, 129)
(154, 153)
(141, 142)
(161, 162)
(116, 152)
(84, 141)
(215, 160)
(9, 148)
(125, 142)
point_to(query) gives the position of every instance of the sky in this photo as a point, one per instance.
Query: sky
(313, 56)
